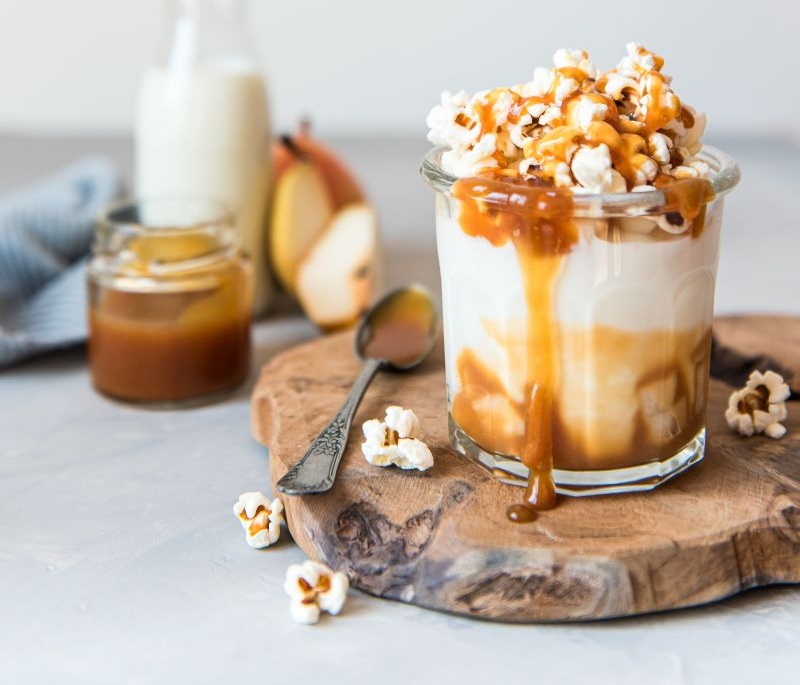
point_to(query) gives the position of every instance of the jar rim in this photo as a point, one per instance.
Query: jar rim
(141, 234)
(125, 215)
(724, 177)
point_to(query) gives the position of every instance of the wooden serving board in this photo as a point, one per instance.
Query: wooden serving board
(440, 539)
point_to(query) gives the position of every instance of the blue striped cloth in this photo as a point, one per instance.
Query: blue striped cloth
(45, 235)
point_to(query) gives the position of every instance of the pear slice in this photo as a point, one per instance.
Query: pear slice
(301, 210)
(335, 279)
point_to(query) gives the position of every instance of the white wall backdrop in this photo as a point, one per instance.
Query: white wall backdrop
(377, 66)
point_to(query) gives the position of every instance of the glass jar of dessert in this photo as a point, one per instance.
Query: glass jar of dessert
(578, 228)
(169, 303)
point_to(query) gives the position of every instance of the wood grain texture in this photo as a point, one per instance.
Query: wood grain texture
(744, 343)
(440, 539)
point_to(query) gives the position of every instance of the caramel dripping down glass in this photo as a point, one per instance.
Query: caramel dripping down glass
(577, 327)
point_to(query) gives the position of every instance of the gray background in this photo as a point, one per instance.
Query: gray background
(365, 67)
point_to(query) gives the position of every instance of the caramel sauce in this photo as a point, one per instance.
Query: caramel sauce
(689, 197)
(658, 116)
(539, 224)
(654, 411)
(687, 118)
(259, 522)
(170, 346)
(520, 513)
(488, 120)
(486, 113)
(521, 103)
(675, 368)
(501, 430)
(628, 150)
(537, 218)
(400, 331)
(575, 73)
(399, 342)
(163, 362)
(641, 110)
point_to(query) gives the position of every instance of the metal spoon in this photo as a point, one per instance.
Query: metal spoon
(398, 333)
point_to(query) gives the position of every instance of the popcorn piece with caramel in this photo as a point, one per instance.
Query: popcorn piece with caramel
(260, 518)
(394, 441)
(760, 406)
(313, 588)
(626, 126)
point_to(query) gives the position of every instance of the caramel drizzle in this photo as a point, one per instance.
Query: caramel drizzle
(537, 218)
(624, 130)
(538, 222)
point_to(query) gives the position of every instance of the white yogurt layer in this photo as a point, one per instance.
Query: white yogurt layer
(634, 286)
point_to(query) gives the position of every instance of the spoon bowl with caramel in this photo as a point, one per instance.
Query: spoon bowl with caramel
(401, 329)
(398, 334)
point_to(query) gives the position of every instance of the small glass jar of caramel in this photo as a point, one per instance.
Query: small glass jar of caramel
(169, 303)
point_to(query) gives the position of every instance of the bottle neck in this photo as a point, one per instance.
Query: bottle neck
(204, 30)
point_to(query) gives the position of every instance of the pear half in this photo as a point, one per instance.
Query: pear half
(335, 279)
(302, 208)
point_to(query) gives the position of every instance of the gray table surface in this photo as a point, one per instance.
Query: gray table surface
(121, 562)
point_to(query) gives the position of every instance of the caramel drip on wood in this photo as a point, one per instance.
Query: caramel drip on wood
(520, 513)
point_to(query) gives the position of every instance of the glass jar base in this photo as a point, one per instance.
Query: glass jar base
(510, 470)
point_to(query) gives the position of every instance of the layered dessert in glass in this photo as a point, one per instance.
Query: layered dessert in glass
(578, 221)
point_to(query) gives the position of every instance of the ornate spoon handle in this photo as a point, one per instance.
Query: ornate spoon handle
(316, 470)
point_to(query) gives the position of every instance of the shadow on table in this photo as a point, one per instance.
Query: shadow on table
(62, 360)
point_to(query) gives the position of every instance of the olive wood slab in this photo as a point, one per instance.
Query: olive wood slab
(440, 539)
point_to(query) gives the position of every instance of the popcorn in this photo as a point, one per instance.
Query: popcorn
(564, 89)
(592, 168)
(616, 83)
(574, 59)
(501, 102)
(586, 111)
(638, 61)
(442, 123)
(561, 175)
(550, 116)
(260, 518)
(659, 145)
(687, 138)
(760, 406)
(313, 588)
(394, 441)
(646, 171)
(481, 156)
(685, 172)
(542, 83)
(534, 128)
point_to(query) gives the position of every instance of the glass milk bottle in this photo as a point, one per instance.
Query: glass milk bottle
(202, 128)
